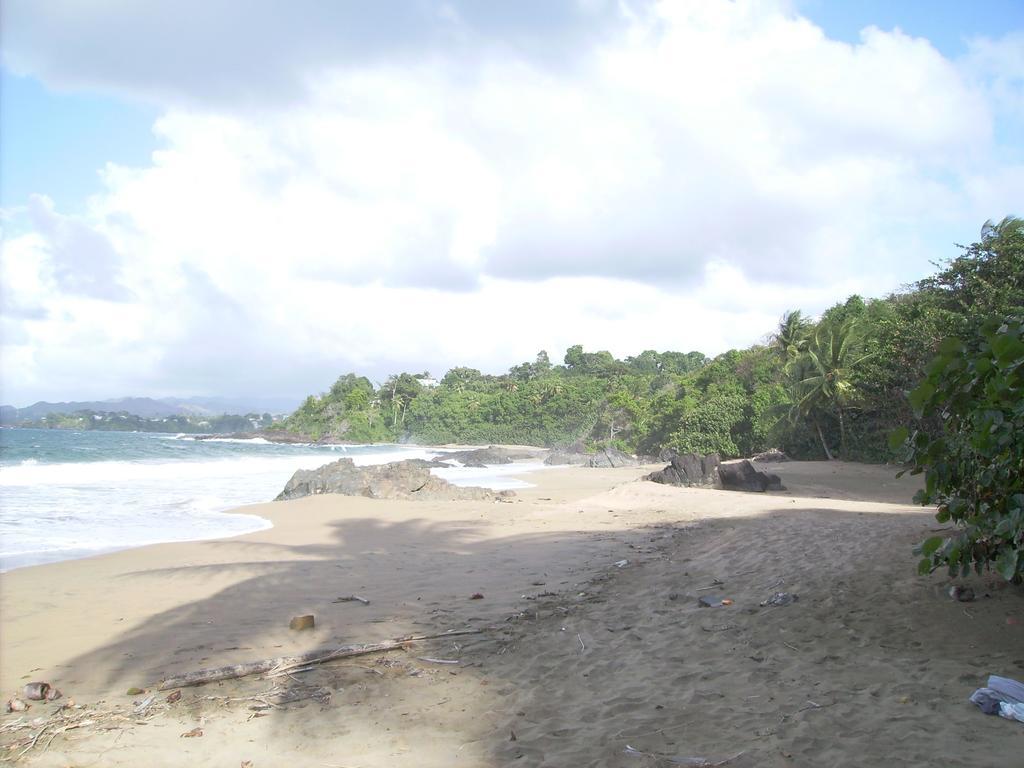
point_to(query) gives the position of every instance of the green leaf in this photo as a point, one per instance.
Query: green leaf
(950, 347)
(1007, 348)
(898, 437)
(924, 567)
(930, 545)
(921, 395)
(1006, 563)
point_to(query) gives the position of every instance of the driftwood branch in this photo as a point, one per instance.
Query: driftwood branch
(286, 663)
(351, 599)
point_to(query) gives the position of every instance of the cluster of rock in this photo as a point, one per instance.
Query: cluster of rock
(691, 470)
(481, 457)
(604, 457)
(741, 476)
(410, 479)
(771, 455)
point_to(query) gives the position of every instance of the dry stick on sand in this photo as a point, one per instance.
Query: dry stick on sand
(692, 762)
(352, 599)
(283, 664)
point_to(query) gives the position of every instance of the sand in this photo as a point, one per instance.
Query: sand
(580, 657)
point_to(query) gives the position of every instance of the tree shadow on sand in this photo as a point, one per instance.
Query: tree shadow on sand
(583, 657)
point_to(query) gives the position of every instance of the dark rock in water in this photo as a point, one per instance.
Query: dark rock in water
(428, 463)
(741, 476)
(481, 457)
(689, 469)
(398, 480)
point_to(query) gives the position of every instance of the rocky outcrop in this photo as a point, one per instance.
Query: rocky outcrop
(398, 480)
(771, 455)
(613, 457)
(573, 455)
(667, 454)
(481, 457)
(689, 470)
(568, 458)
(604, 457)
(741, 476)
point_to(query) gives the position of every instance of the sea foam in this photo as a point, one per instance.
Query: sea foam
(99, 492)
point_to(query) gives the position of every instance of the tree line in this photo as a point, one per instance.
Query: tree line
(826, 387)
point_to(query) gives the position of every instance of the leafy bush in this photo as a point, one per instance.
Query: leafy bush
(707, 427)
(974, 462)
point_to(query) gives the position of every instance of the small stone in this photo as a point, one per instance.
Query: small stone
(16, 705)
(961, 594)
(135, 691)
(36, 691)
(302, 622)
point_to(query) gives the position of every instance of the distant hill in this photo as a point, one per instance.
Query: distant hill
(211, 406)
(150, 408)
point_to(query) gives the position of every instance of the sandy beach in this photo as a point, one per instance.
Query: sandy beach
(594, 650)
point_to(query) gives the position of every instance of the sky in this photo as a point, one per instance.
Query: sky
(206, 198)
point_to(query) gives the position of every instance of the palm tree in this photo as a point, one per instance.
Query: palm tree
(822, 375)
(991, 230)
(793, 335)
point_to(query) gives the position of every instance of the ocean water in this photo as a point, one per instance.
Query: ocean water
(66, 494)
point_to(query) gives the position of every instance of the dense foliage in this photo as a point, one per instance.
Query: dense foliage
(974, 462)
(121, 421)
(816, 389)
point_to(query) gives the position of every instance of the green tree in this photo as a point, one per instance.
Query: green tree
(974, 463)
(793, 334)
(986, 280)
(822, 376)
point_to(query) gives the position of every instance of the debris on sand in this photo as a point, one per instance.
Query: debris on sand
(780, 598)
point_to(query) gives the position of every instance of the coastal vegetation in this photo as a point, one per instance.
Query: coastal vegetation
(829, 387)
(973, 462)
(122, 421)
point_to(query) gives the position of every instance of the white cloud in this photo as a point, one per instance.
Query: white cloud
(679, 185)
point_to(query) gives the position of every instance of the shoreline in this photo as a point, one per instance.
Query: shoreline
(85, 554)
(195, 503)
(576, 651)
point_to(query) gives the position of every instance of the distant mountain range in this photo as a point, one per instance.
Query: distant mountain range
(150, 408)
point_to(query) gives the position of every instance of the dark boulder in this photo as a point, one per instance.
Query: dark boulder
(689, 469)
(741, 476)
(612, 457)
(428, 463)
(575, 454)
(773, 454)
(559, 458)
(601, 458)
(398, 480)
(481, 457)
